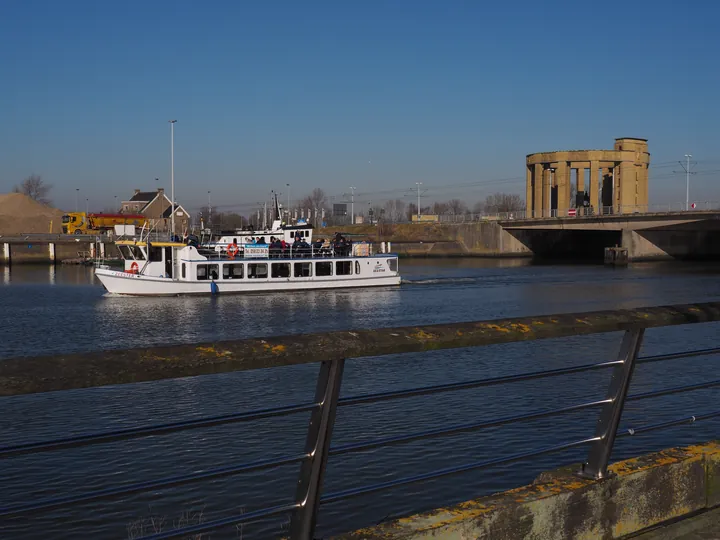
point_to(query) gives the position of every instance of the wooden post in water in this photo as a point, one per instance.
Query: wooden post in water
(6, 253)
(51, 252)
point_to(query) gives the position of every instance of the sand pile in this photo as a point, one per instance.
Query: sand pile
(20, 214)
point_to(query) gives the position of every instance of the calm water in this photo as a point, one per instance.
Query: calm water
(60, 310)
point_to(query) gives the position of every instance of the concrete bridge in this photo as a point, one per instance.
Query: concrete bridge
(53, 248)
(648, 236)
(592, 499)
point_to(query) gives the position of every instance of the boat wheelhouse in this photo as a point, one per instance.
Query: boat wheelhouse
(172, 268)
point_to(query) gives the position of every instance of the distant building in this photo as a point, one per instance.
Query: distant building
(157, 207)
(617, 181)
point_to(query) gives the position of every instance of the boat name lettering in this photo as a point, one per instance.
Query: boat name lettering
(378, 267)
(255, 251)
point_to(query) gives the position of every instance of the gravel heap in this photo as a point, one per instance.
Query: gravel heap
(20, 214)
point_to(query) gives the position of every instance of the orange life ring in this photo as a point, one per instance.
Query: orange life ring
(233, 250)
(134, 268)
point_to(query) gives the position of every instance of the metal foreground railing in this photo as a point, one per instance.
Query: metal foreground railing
(42, 374)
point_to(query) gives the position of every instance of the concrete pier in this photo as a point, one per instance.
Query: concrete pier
(6, 253)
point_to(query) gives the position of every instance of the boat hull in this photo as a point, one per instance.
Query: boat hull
(124, 283)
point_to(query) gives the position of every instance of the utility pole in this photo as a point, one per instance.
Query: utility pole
(209, 208)
(352, 204)
(87, 206)
(172, 177)
(418, 195)
(77, 194)
(686, 167)
(287, 210)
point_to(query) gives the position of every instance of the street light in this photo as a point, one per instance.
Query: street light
(77, 194)
(172, 177)
(418, 193)
(352, 205)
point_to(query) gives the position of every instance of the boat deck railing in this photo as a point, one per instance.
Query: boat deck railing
(289, 253)
(331, 350)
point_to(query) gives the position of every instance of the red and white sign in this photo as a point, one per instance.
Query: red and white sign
(572, 212)
(692, 206)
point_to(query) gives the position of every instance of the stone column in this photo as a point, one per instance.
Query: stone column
(547, 179)
(563, 182)
(594, 186)
(528, 192)
(538, 186)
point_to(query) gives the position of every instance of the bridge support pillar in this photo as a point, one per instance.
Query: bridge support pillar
(51, 252)
(6, 253)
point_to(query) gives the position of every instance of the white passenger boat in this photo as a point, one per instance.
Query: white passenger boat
(173, 268)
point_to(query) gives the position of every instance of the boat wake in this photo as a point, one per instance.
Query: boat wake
(444, 281)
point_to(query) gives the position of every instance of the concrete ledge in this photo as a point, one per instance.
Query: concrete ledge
(644, 492)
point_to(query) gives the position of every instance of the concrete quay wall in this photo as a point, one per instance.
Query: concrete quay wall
(643, 492)
(477, 239)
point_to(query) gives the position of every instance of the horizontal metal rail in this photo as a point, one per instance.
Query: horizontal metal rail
(677, 355)
(629, 432)
(673, 390)
(110, 493)
(465, 385)
(83, 370)
(145, 431)
(354, 492)
(460, 428)
(185, 532)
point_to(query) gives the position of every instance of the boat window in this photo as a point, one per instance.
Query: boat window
(280, 270)
(343, 268)
(182, 271)
(125, 252)
(357, 267)
(323, 269)
(202, 271)
(303, 269)
(213, 271)
(257, 270)
(233, 271)
(137, 253)
(155, 254)
(392, 263)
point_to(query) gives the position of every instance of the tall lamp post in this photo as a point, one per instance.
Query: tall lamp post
(172, 178)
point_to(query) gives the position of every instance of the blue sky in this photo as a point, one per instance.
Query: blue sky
(374, 94)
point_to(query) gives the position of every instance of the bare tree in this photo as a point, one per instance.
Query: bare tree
(316, 199)
(457, 207)
(35, 188)
(503, 202)
(411, 210)
(395, 210)
(439, 208)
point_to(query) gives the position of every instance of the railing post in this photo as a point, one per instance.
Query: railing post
(317, 445)
(611, 412)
